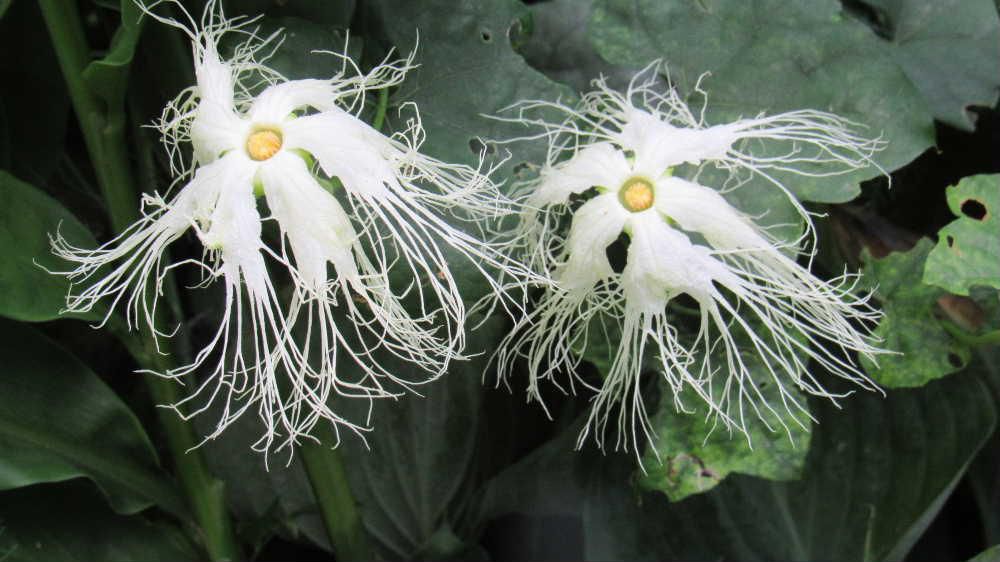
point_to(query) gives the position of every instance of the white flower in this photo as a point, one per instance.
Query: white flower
(684, 239)
(300, 146)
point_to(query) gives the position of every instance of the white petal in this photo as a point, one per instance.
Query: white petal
(659, 145)
(600, 164)
(595, 226)
(317, 227)
(277, 102)
(234, 225)
(701, 209)
(216, 127)
(663, 263)
(346, 148)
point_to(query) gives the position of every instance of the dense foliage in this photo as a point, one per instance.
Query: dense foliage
(92, 469)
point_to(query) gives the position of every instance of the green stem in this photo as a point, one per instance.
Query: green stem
(104, 135)
(380, 108)
(341, 516)
(972, 340)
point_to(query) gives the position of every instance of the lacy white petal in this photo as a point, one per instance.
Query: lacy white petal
(700, 209)
(216, 127)
(276, 103)
(346, 148)
(659, 145)
(663, 263)
(595, 226)
(317, 227)
(599, 164)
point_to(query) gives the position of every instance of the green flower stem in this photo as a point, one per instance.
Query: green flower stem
(104, 134)
(383, 104)
(972, 340)
(341, 516)
(104, 137)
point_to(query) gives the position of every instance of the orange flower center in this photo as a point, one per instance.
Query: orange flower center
(263, 144)
(636, 194)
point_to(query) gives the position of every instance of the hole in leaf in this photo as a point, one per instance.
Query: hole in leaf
(974, 209)
(477, 146)
(951, 241)
(486, 35)
(955, 360)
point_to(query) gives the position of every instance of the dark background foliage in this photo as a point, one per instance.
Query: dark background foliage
(470, 471)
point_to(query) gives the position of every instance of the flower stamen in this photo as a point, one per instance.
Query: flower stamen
(636, 194)
(263, 144)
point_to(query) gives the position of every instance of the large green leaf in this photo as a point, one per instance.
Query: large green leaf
(772, 56)
(950, 49)
(694, 455)
(923, 349)
(558, 46)
(417, 475)
(983, 478)
(27, 218)
(59, 421)
(968, 250)
(69, 523)
(468, 68)
(108, 76)
(877, 473)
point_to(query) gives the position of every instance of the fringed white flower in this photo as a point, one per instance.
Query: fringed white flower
(618, 152)
(351, 204)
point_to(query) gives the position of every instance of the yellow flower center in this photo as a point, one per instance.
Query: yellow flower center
(636, 194)
(263, 144)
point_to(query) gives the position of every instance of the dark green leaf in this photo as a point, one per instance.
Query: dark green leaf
(558, 46)
(468, 68)
(772, 56)
(60, 421)
(984, 476)
(337, 13)
(924, 349)
(27, 218)
(418, 475)
(877, 473)
(968, 249)
(950, 49)
(991, 554)
(108, 77)
(69, 523)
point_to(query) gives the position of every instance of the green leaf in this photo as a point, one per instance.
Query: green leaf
(982, 477)
(419, 470)
(877, 473)
(558, 45)
(468, 69)
(924, 349)
(108, 77)
(968, 249)
(69, 523)
(991, 554)
(694, 457)
(337, 13)
(772, 56)
(59, 421)
(950, 49)
(27, 218)
(296, 57)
